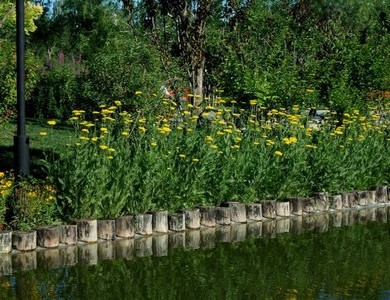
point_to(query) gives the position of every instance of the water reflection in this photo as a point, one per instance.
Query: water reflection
(307, 257)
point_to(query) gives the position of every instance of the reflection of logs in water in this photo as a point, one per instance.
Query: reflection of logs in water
(159, 244)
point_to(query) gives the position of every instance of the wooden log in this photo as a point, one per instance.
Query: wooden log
(24, 240)
(68, 234)
(268, 208)
(87, 231)
(144, 224)
(254, 212)
(24, 261)
(5, 265)
(68, 256)
(207, 237)
(353, 199)
(192, 217)
(222, 215)
(309, 205)
(223, 234)
(207, 216)
(381, 194)
(371, 197)
(106, 229)
(49, 258)
(321, 201)
(283, 209)
(144, 246)
(254, 229)
(176, 222)
(88, 254)
(337, 202)
(160, 221)
(48, 236)
(362, 216)
(362, 198)
(282, 226)
(124, 249)
(193, 239)
(160, 245)
(125, 226)
(296, 205)
(345, 200)
(237, 211)
(106, 250)
(5, 242)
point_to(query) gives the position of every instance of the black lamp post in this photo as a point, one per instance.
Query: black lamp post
(21, 140)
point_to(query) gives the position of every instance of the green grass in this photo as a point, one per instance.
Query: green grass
(57, 138)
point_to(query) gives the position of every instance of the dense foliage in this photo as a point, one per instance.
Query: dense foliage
(197, 101)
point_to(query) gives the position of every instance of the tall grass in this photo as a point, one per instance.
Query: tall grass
(126, 162)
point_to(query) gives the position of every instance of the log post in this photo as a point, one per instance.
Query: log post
(144, 246)
(5, 242)
(254, 212)
(68, 234)
(237, 211)
(268, 207)
(207, 216)
(87, 231)
(48, 258)
(125, 249)
(144, 224)
(106, 229)
(337, 202)
(296, 205)
(125, 226)
(283, 209)
(106, 250)
(48, 236)
(88, 254)
(309, 205)
(160, 221)
(68, 256)
(381, 193)
(222, 215)
(192, 217)
(321, 201)
(193, 239)
(362, 198)
(282, 226)
(24, 240)
(176, 222)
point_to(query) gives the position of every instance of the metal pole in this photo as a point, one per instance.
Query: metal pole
(21, 140)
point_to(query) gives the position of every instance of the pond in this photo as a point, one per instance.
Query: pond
(336, 256)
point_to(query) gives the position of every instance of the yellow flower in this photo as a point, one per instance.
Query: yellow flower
(214, 146)
(43, 133)
(269, 142)
(278, 153)
(154, 144)
(110, 157)
(195, 159)
(310, 90)
(182, 155)
(142, 120)
(208, 139)
(103, 147)
(51, 122)
(2, 174)
(111, 150)
(164, 130)
(104, 129)
(85, 130)
(118, 103)
(252, 102)
(138, 92)
(73, 119)
(125, 133)
(94, 139)
(141, 129)
(84, 138)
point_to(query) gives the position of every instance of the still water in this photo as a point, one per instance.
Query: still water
(340, 256)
